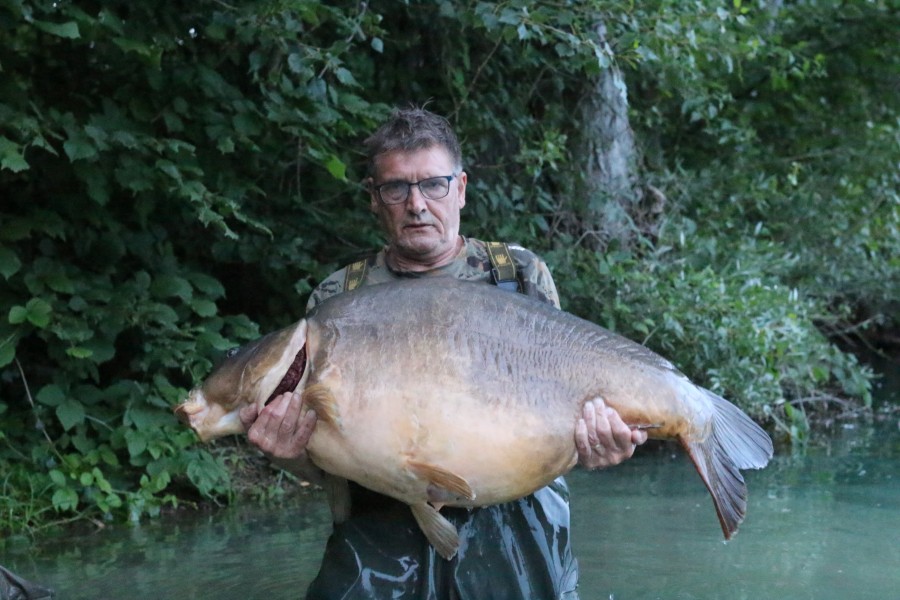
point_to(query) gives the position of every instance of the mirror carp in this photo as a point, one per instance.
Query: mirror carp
(444, 392)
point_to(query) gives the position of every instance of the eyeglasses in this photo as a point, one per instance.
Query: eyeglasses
(396, 192)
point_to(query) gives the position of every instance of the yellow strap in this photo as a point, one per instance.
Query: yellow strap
(503, 266)
(356, 272)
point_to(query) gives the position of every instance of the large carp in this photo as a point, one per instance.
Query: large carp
(443, 392)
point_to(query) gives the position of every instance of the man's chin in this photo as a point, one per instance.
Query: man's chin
(419, 242)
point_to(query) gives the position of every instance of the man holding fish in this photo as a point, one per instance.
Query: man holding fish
(519, 549)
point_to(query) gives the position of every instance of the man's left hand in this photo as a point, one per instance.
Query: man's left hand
(602, 438)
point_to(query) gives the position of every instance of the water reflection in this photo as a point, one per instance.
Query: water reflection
(241, 552)
(820, 525)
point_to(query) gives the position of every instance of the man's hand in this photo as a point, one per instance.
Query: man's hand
(602, 437)
(282, 429)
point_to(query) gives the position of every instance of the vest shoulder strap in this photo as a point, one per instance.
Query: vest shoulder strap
(503, 268)
(355, 274)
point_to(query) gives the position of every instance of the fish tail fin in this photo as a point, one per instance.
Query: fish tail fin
(735, 443)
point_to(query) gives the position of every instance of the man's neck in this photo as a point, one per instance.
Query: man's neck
(403, 263)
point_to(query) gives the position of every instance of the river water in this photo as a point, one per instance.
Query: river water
(822, 524)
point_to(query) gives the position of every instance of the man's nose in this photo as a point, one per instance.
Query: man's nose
(415, 202)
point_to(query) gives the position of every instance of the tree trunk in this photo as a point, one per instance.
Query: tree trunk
(616, 208)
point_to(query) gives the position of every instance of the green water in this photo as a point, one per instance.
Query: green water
(821, 525)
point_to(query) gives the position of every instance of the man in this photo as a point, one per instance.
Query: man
(516, 550)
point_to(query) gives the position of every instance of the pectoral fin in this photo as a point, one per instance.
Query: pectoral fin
(319, 398)
(440, 532)
(445, 485)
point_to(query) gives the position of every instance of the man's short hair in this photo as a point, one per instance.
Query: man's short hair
(411, 129)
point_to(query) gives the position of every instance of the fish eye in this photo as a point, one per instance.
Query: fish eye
(232, 351)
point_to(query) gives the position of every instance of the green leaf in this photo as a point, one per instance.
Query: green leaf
(108, 456)
(7, 352)
(207, 284)
(11, 156)
(377, 45)
(169, 168)
(345, 76)
(336, 167)
(57, 477)
(203, 307)
(215, 340)
(166, 286)
(51, 395)
(102, 483)
(70, 413)
(59, 282)
(65, 499)
(246, 124)
(78, 352)
(100, 349)
(137, 442)
(35, 312)
(79, 147)
(225, 145)
(64, 30)
(152, 55)
(18, 315)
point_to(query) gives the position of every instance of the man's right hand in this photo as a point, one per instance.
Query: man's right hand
(282, 429)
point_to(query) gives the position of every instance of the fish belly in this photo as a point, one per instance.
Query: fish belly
(486, 386)
(382, 441)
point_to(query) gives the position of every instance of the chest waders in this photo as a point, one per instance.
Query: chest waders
(514, 551)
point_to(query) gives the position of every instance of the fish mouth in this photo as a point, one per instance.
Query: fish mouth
(292, 377)
(188, 409)
(193, 411)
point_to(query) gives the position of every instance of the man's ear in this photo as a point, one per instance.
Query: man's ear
(369, 184)
(461, 187)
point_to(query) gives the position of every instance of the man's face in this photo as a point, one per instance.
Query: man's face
(420, 230)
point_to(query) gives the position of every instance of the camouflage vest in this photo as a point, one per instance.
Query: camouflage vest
(503, 269)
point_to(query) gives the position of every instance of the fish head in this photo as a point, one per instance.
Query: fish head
(252, 374)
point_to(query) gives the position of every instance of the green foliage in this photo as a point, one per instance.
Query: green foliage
(781, 124)
(177, 177)
(737, 328)
(148, 156)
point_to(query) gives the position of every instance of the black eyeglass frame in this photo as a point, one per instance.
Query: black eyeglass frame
(409, 186)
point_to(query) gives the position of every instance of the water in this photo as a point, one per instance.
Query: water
(820, 525)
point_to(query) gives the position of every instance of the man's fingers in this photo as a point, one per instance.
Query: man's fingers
(257, 433)
(292, 404)
(248, 416)
(305, 427)
(279, 405)
(603, 432)
(582, 441)
(590, 420)
(621, 435)
(639, 436)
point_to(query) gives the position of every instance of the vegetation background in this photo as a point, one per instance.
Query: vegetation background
(718, 180)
